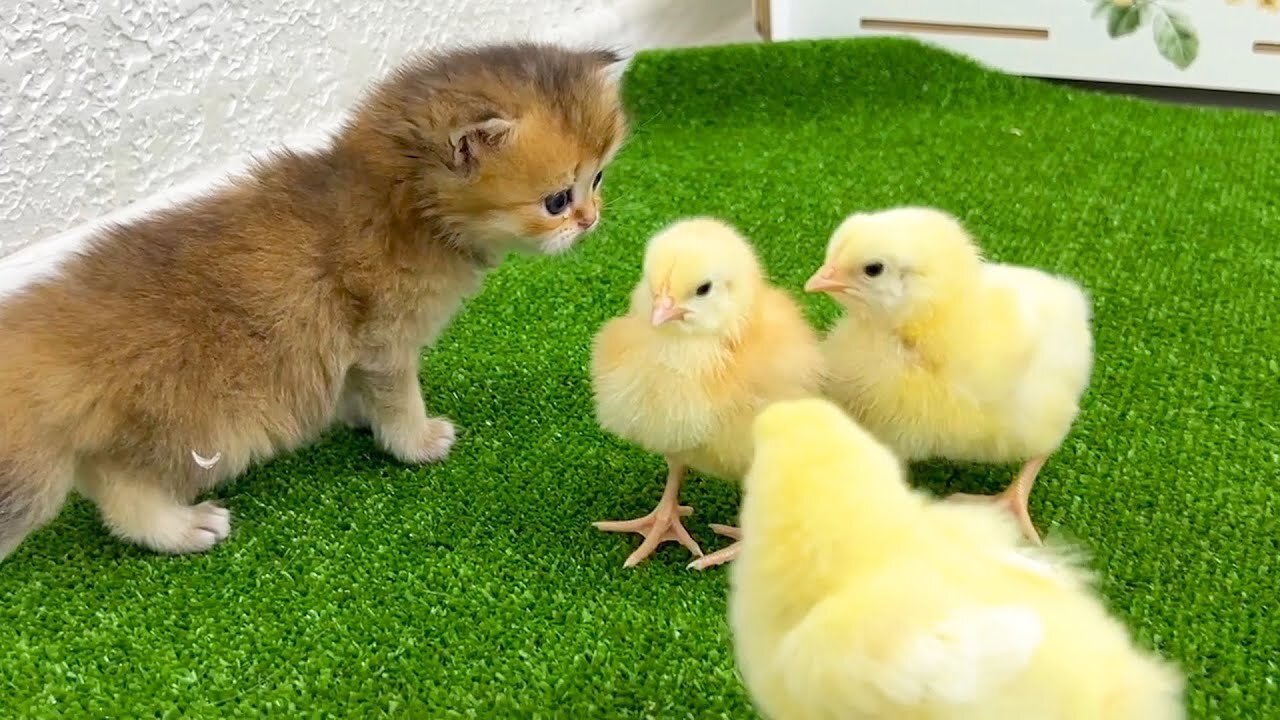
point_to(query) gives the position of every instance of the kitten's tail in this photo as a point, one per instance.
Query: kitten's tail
(34, 484)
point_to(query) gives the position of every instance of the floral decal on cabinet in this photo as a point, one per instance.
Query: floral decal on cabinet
(1172, 30)
(1174, 35)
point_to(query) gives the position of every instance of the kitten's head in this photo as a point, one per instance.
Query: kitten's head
(505, 146)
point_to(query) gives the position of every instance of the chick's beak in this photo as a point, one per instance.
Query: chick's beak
(665, 310)
(824, 280)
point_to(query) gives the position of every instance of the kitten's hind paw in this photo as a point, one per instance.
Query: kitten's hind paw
(176, 529)
(210, 525)
(429, 443)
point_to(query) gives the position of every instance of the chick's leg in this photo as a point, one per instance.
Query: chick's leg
(1015, 497)
(661, 525)
(724, 554)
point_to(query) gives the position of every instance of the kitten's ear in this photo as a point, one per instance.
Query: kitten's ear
(469, 142)
(613, 64)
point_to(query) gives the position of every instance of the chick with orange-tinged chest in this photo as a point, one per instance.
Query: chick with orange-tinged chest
(705, 342)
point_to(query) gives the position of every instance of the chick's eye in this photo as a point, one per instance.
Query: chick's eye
(557, 202)
(703, 289)
(873, 269)
(596, 182)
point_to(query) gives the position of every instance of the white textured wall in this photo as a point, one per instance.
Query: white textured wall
(106, 102)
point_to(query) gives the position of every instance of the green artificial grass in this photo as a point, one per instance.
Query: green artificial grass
(353, 586)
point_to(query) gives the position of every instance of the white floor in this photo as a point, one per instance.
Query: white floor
(1185, 96)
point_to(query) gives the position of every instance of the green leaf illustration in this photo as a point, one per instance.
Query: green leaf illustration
(1101, 7)
(1176, 39)
(1123, 20)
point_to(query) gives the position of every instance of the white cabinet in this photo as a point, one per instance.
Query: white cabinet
(1218, 44)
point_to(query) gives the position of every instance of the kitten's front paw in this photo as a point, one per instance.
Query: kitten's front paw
(430, 443)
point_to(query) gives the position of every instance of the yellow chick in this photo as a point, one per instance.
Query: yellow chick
(943, 355)
(706, 343)
(854, 596)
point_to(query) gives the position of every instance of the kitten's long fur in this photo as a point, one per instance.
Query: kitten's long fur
(242, 325)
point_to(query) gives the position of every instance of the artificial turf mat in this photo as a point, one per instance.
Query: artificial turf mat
(354, 586)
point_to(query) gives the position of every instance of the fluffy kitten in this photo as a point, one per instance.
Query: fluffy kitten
(180, 348)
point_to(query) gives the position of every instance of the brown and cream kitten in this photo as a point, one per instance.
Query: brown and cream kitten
(180, 348)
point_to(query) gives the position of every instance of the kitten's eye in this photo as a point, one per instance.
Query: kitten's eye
(596, 183)
(703, 289)
(558, 202)
(873, 269)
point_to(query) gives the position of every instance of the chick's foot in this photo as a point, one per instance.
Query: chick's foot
(724, 554)
(1014, 498)
(661, 525)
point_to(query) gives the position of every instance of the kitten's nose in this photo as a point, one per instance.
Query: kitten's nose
(586, 218)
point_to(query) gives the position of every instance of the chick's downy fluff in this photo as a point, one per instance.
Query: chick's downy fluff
(943, 355)
(855, 596)
(705, 343)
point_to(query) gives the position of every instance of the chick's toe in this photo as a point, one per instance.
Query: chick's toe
(724, 554)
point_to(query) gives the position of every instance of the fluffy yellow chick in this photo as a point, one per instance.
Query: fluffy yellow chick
(854, 596)
(706, 343)
(943, 355)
